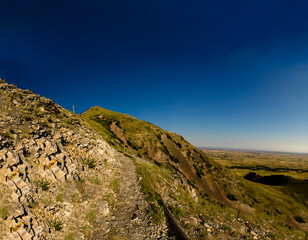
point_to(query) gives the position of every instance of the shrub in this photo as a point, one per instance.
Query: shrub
(178, 212)
(174, 159)
(4, 212)
(94, 180)
(91, 216)
(45, 124)
(299, 219)
(46, 201)
(57, 224)
(115, 185)
(32, 204)
(80, 186)
(90, 163)
(231, 197)
(69, 237)
(74, 198)
(59, 198)
(156, 213)
(199, 170)
(157, 163)
(178, 144)
(44, 185)
(7, 135)
(226, 228)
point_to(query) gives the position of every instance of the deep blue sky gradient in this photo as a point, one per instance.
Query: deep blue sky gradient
(221, 73)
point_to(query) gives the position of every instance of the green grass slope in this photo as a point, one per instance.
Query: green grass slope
(195, 186)
(150, 142)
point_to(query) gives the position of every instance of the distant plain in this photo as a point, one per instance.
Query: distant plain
(270, 197)
(264, 163)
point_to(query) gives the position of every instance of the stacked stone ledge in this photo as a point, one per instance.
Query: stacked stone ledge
(42, 156)
(49, 162)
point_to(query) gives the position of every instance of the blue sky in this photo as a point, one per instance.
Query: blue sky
(220, 73)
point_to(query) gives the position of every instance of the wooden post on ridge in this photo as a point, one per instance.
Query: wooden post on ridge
(238, 213)
(73, 108)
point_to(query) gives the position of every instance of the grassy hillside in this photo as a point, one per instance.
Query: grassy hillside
(195, 186)
(148, 141)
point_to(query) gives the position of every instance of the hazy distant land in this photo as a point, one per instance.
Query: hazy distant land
(264, 163)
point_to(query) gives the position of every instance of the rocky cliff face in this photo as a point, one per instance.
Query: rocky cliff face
(59, 179)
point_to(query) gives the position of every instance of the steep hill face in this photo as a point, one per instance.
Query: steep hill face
(148, 141)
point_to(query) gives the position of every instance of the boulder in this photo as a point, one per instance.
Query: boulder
(11, 185)
(24, 234)
(15, 196)
(22, 185)
(58, 172)
(43, 160)
(35, 151)
(51, 148)
(19, 147)
(12, 159)
(48, 174)
(2, 159)
(57, 136)
(40, 144)
(27, 219)
(22, 168)
(43, 133)
(105, 209)
(4, 172)
(71, 167)
(13, 174)
(51, 163)
(61, 157)
(14, 236)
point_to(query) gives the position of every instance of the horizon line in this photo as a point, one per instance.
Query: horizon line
(251, 150)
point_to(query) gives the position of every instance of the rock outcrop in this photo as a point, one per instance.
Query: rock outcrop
(57, 175)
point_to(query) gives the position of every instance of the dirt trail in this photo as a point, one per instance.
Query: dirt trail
(129, 216)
